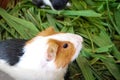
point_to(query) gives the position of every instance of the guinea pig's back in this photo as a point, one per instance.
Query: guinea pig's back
(11, 50)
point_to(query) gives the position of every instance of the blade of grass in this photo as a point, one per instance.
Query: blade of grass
(24, 28)
(85, 68)
(112, 67)
(67, 29)
(117, 19)
(87, 13)
(2, 25)
(104, 40)
(111, 18)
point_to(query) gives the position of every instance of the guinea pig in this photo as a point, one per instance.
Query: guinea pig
(54, 4)
(44, 57)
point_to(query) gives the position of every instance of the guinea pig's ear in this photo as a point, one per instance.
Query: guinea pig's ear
(52, 51)
(47, 32)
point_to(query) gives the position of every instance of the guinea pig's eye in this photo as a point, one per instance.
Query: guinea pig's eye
(65, 45)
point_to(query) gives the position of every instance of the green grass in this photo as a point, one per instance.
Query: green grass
(97, 21)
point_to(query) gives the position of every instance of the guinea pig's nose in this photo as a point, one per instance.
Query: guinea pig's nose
(78, 40)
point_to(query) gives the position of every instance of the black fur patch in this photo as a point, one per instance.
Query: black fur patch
(59, 4)
(11, 50)
(38, 3)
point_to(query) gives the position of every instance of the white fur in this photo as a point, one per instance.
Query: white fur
(68, 4)
(33, 64)
(47, 2)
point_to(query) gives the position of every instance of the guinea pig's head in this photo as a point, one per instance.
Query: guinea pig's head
(63, 48)
(59, 48)
(54, 4)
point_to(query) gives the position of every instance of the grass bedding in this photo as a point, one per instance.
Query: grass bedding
(97, 21)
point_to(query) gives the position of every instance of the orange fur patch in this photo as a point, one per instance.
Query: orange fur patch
(29, 41)
(47, 32)
(63, 55)
(52, 50)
